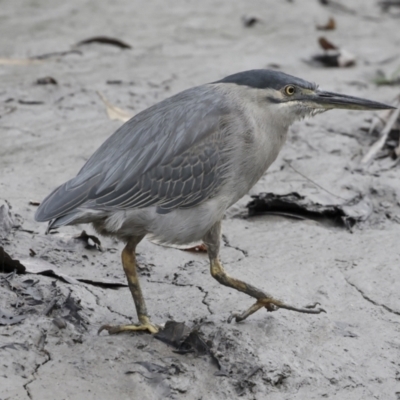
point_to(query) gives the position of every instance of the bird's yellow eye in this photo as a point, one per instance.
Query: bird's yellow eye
(289, 90)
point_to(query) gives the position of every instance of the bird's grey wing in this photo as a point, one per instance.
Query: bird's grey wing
(131, 168)
(185, 181)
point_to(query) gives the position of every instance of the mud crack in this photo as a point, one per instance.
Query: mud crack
(105, 305)
(227, 244)
(204, 298)
(375, 303)
(41, 345)
(175, 283)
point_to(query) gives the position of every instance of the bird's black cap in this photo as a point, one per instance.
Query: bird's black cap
(266, 79)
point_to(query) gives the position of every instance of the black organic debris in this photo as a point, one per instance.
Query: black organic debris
(249, 21)
(39, 266)
(55, 54)
(30, 102)
(333, 56)
(47, 80)
(91, 242)
(105, 40)
(7, 264)
(296, 206)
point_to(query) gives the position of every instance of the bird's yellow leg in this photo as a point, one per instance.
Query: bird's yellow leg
(212, 241)
(129, 264)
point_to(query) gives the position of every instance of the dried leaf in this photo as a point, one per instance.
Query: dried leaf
(326, 44)
(105, 40)
(113, 112)
(34, 203)
(329, 26)
(185, 340)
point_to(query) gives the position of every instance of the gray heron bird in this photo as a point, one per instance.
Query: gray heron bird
(173, 170)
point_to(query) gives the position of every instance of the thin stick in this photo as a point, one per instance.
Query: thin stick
(313, 182)
(378, 145)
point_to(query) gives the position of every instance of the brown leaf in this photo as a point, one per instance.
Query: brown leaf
(34, 203)
(329, 26)
(326, 44)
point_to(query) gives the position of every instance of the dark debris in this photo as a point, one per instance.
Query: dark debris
(105, 40)
(91, 242)
(296, 206)
(249, 21)
(185, 340)
(47, 80)
(7, 264)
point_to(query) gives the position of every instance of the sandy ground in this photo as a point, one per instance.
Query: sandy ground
(351, 352)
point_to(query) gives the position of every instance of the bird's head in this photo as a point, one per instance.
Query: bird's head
(293, 98)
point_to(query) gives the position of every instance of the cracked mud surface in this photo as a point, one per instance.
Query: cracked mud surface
(352, 352)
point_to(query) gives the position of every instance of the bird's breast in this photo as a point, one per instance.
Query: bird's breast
(259, 148)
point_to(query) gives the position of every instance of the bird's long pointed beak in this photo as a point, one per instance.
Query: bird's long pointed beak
(329, 100)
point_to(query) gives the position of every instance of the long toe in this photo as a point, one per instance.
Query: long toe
(114, 329)
(273, 305)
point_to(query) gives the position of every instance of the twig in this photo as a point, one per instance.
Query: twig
(115, 112)
(313, 182)
(377, 146)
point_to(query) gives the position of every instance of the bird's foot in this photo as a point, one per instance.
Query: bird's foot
(145, 325)
(273, 305)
